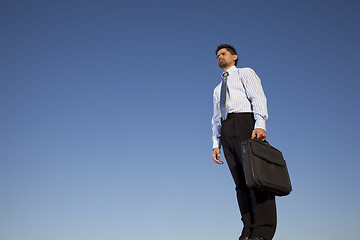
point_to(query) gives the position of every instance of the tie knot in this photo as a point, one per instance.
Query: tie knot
(225, 74)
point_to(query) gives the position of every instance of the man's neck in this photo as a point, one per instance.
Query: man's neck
(227, 68)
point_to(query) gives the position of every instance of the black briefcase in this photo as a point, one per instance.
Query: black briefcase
(265, 168)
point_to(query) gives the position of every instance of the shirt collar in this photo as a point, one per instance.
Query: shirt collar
(231, 69)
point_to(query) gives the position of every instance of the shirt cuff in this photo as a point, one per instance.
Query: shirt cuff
(216, 143)
(260, 123)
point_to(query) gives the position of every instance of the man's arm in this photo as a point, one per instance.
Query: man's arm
(216, 127)
(256, 96)
(216, 119)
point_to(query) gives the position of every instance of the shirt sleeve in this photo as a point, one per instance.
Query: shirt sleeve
(256, 96)
(216, 121)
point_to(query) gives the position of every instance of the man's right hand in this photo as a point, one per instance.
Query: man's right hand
(216, 155)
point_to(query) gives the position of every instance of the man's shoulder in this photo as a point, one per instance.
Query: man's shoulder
(245, 69)
(246, 73)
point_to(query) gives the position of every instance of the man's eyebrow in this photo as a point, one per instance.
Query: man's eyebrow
(222, 53)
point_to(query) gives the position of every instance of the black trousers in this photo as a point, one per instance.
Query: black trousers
(258, 209)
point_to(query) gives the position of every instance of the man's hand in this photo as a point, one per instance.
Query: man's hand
(216, 155)
(259, 133)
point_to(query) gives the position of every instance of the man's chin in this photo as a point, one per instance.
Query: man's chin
(222, 65)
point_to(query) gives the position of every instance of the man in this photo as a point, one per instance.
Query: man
(240, 112)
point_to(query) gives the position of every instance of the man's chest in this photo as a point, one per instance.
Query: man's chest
(234, 83)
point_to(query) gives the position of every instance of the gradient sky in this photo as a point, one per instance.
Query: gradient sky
(105, 116)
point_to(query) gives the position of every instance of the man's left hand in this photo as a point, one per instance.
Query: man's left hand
(259, 133)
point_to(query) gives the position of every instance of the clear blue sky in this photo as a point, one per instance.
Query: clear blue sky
(105, 111)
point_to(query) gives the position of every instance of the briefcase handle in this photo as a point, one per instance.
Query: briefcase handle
(266, 143)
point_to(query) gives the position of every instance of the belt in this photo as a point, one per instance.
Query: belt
(231, 115)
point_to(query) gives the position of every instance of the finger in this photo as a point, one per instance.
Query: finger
(216, 159)
(263, 136)
(253, 135)
(218, 162)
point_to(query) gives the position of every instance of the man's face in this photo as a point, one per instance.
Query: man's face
(225, 59)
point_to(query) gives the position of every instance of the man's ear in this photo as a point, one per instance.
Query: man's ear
(235, 57)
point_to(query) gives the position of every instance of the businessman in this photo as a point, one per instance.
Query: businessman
(240, 113)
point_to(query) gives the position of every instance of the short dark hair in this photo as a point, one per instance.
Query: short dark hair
(230, 48)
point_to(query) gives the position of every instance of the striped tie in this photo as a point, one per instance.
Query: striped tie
(223, 95)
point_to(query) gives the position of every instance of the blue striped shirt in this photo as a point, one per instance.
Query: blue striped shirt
(245, 94)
